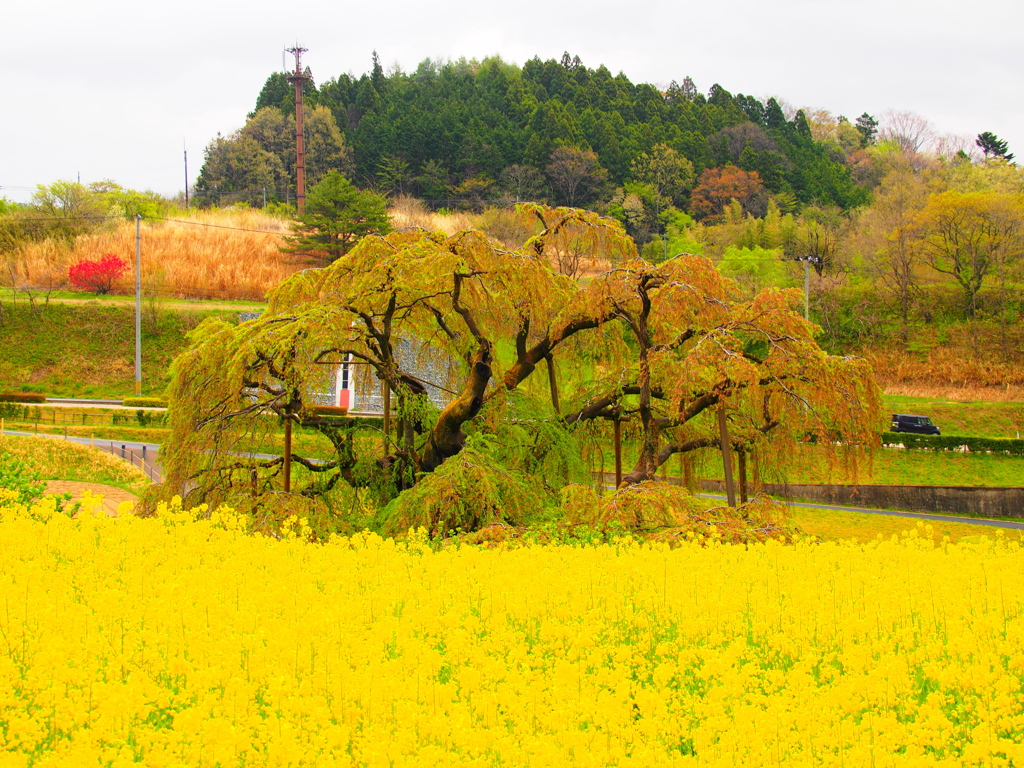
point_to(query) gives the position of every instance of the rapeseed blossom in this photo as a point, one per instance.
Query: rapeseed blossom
(180, 640)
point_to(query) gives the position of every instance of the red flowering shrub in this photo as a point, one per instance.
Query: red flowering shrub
(99, 275)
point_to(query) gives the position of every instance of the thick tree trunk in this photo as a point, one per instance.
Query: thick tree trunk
(447, 438)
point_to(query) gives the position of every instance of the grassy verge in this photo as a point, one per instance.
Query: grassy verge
(979, 419)
(836, 525)
(59, 460)
(77, 297)
(88, 350)
(893, 467)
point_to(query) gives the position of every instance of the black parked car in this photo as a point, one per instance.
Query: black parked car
(921, 425)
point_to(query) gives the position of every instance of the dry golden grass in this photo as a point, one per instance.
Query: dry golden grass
(967, 363)
(959, 394)
(225, 254)
(407, 211)
(235, 253)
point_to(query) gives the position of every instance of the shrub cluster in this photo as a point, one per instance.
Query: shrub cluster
(97, 275)
(141, 417)
(144, 402)
(955, 443)
(21, 397)
(330, 410)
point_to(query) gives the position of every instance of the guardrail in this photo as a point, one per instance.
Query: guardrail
(138, 459)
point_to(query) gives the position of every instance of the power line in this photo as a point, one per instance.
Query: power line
(214, 226)
(32, 218)
(149, 218)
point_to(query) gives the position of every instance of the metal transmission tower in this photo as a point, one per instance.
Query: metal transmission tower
(297, 78)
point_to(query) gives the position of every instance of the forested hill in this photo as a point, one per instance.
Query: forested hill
(477, 130)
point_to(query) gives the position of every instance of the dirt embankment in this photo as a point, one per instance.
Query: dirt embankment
(112, 497)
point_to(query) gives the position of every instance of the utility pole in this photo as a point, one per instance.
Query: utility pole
(138, 304)
(186, 177)
(297, 78)
(807, 288)
(808, 260)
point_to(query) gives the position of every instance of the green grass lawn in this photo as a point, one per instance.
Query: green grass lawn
(894, 467)
(984, 419)
(8, 296)
(837, 525)
(88, 350)
(60, 460)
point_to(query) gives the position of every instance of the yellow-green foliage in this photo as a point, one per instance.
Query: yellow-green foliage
(670, 512)
(466, 493)
(172, 641)
(57, 459)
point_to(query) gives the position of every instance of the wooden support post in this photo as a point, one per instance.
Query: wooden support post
(741, 465)
(686, 470)
(553, 383)
(723, 428)
(287, 455)
(387, 415)
(618, 453)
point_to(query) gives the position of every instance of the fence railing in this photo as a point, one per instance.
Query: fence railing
(68, 417)
(137, 458)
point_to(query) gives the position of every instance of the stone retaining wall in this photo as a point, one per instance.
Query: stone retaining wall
(969, 500)
(942, 499)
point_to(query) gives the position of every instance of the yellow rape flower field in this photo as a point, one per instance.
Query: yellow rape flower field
(177, 641)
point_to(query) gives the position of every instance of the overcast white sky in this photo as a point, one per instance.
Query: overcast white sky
(116, 90)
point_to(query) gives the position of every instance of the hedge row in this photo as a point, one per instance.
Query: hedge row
(144, 402)
(330, 410)
(953, 443)
(21, 397)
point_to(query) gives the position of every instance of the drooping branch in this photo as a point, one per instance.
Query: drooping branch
(528, 358)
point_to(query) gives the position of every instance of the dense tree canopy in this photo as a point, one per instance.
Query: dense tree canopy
(449, 124)
(659, 345)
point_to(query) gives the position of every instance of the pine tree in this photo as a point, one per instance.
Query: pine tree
(337, 215)
(993, 146)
